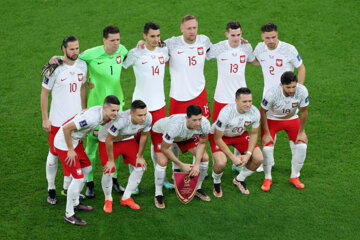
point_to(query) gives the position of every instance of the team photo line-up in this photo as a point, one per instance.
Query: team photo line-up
(98, 114)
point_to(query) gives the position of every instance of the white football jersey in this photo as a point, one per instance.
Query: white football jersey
(85, 122)
(233, 123)
(122, 126)
(187, 67)
(275, 62)
(149, 69)
(280, 106)
(231, 63)
(174, 128)
(65, 84)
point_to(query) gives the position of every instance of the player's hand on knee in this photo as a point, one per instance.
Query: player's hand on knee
(266, 139)
(142, 162)
(244, 159)
(108, 167)
(70, 159)
(237, 161)
(47, 125)
(302, 138)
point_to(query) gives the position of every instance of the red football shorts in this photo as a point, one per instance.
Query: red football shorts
(216, 110)
(188, 144)
(81, 161)
(241, 142)
(290, 126)
(180, 107)
(52, 134)
(129, 149)
(156, 138)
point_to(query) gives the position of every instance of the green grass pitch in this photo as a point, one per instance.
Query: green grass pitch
(326, 35)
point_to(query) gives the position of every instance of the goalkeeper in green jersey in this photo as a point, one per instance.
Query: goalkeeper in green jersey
(104, 65)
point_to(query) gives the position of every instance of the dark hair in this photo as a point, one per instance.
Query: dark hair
(67, 39)
(193, 110)
(288, 77)
(187, 18)
(112, 99)
(150, 25)
(269, 27)
(137, 104)
(242, 90)
(233, 25)
(110, 30)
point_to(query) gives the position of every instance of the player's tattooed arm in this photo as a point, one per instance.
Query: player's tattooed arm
(46, 124)
(267, 137)
(301, 137)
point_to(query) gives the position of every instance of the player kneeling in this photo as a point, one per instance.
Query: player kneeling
(279, 111)
(189, 131)
(68, 146)
(117, 138)
(230, 129)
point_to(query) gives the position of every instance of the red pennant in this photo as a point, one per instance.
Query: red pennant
(185, 186)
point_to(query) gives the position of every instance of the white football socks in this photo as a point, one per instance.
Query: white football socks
(51, 169)
(298, 159)
(106, 183)
(73, 196)
(159, 179)
(86, 171)
(133, 182)
(153, 155)
(245, 172)
(67, 181)
(217, 177)
(204, 166)
(176, 150)
(268, 152)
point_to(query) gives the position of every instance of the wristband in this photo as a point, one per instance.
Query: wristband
(248, 152)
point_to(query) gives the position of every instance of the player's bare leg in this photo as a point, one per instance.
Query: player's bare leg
(91, 151)
(218, 170)
(154, 157)
(268, 152)
(251, 166)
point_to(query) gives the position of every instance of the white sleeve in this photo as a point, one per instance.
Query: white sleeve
(49, 82)
(131, 58)
(267, 101)
(166, 53)
(222, 119)
(256, 123)
(250, 53)
(205, 126)
(83, 67)
(295, 58)
(171, 132)
(213, 52)
(148, 123)
(115, 127)
(304, 98)
(83, 120)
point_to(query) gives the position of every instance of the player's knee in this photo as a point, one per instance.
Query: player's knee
(162, 161)
(205, 158)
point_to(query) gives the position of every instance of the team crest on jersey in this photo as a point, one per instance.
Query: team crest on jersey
(83, 123)
(118, 59)
(279, 62)
(242, 59)
(200, 50)
(46, 80)
(161, 60)
(295, 104)
(80, 77)
(247, 123)
(78, 171)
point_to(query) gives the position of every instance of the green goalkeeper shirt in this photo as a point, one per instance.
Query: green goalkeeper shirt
(104, 71)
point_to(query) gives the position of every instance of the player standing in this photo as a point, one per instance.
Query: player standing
(117, 138)
(187, 60)
(279, 110)
(189, 131)
(149, 68)
(276, 57)
(68, 94)
(230, 129)
(68, 146)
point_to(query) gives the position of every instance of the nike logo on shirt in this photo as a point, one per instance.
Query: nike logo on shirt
(100, 63)
(63, 79)
(223, 59)
(143, 62)
(180, 52)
